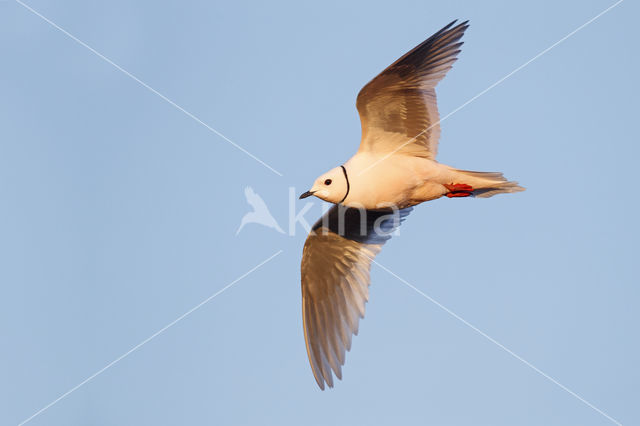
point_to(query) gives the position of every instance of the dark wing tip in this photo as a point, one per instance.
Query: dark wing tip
(464, 24)
(449, 25)
(460, 28)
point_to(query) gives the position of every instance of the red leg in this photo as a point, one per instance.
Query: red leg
(458, 190)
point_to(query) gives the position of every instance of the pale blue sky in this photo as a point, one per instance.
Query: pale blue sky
(119, 213)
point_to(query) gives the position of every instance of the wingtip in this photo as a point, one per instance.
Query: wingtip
(449, 28)
(455, 21)
(462, 26)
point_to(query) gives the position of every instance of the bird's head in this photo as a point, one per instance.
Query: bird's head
(332, 186)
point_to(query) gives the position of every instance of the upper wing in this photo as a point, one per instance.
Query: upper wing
(398, 109)
(335, 281)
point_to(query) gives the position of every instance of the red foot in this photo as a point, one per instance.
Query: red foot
(458, 190)
(458, 194)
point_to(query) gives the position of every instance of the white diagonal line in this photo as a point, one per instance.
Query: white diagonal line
(494, 341)
(147, 340)
(145, 85)
(493, 85)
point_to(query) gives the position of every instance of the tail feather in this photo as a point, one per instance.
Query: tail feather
(488, 184)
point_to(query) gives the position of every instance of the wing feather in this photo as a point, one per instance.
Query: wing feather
(335, 287)
(398, 108)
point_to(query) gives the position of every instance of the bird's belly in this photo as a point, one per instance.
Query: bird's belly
(393, 184)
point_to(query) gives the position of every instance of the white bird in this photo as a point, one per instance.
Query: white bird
(260, 213)
(395, 168)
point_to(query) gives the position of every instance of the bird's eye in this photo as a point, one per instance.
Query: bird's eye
(327, 182)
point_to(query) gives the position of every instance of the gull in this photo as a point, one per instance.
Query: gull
(393, 170)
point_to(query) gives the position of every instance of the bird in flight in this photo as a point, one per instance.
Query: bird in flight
(393, 170)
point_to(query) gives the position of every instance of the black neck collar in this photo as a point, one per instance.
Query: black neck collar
(348, 187)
